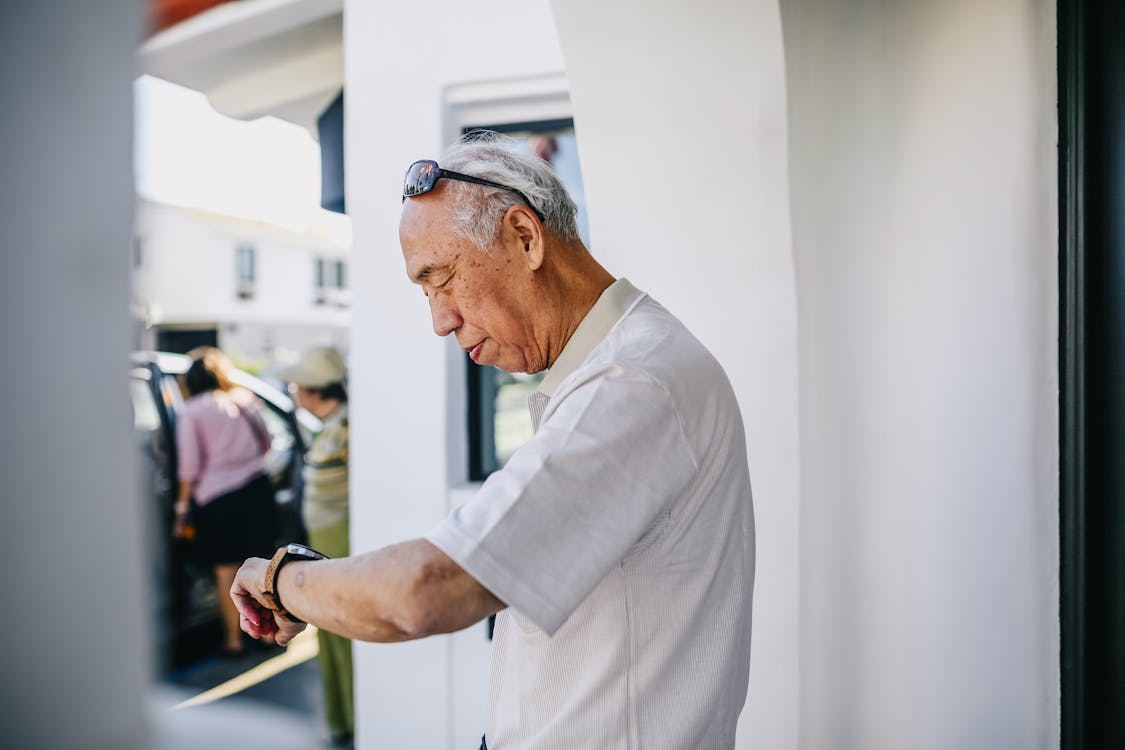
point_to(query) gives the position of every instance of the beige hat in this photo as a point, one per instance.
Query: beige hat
(316, 368)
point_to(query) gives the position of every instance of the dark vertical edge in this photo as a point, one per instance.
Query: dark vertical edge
(1092, 371)
(474, 423)
(1103, 330)
(1072, 495)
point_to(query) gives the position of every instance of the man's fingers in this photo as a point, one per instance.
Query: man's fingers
(269, 624)
(260, 623)
(286, 631)
(255, 619)
(247, 608)
(249, 628)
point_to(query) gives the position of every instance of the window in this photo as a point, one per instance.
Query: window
(330, 282)
(319, 297)
(498, 422)
(341, 297)
(244, 271)
(138, 252)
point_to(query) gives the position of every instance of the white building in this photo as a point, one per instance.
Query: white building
(256, 290)
(857, 207)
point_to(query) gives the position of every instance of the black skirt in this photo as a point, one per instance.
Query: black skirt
(237, 525)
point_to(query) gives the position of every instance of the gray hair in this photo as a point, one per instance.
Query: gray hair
(479, 209)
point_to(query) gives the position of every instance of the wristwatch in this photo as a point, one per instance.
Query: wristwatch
(286, 554)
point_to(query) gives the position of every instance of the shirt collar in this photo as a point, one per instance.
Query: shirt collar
(611, 306)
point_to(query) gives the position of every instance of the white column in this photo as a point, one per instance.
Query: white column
(74, 574)
(400, 59)
(680, 111)
(922, 142)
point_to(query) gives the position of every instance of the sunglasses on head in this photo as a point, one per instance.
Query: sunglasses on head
(422, 176)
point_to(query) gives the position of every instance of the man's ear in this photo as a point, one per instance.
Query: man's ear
(526, 229)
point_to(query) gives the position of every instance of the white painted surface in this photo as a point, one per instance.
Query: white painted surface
(187, 276)
(681, 126)
(924, 230)
(907, 587)
(75, 632)
(256, 57)
(399, 60)
(922, 158)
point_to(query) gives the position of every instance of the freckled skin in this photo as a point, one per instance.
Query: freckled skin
(520, 301)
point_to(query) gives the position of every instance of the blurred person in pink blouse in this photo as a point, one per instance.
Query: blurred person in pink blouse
(221, 439)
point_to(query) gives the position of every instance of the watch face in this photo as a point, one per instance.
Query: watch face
(300, 550)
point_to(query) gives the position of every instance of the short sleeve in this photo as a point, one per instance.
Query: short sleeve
(190, 461)
(607, 462)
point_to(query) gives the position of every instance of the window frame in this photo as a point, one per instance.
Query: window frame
(245, 269)
(504, 105)
(481, 387)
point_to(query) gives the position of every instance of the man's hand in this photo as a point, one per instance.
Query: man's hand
(398, 593)
(257, 620)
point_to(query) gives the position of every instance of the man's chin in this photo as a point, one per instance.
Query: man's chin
(520, 365)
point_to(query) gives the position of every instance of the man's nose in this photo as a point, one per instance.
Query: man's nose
(445, 316)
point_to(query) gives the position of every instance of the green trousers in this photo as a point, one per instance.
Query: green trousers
(335, 652)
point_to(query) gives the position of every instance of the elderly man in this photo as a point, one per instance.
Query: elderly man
(617, 545)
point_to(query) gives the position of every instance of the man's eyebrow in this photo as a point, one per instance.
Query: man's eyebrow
(431, 269)
(423, 272)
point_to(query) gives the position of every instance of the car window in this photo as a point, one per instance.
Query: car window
(146, 418)
(173, 391)
(281, 441)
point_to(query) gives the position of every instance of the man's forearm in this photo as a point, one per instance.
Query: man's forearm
(405, 591)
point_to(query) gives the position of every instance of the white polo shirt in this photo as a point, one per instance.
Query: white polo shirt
(621, 536)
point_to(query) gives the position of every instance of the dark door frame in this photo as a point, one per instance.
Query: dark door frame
(1091, 70)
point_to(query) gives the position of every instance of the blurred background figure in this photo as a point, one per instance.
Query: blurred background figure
(221, 441)
(317, 381)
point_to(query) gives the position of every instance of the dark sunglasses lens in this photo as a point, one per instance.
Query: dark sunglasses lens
(420, 178)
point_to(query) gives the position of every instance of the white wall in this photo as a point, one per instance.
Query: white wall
(188, 268)
(74, 633)
(187, 277)
(922, 165)
(399, 60)
(894, 358)
(688, 100)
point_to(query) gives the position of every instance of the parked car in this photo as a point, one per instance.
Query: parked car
(184, 601)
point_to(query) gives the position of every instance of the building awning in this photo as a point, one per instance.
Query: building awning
(251, 58)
